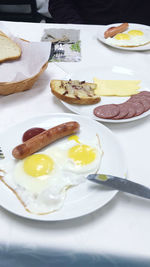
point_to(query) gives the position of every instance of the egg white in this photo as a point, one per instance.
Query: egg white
(47, 193)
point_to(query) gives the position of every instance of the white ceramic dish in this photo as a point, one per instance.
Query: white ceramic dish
(141, 27)
(109, 73)
(82, 199)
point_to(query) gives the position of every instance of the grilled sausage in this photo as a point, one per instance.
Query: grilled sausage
(45, 138)
(115, 30)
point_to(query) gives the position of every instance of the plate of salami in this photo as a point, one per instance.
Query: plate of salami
(114, 109)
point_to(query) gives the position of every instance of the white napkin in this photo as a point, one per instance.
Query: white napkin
(34, 56)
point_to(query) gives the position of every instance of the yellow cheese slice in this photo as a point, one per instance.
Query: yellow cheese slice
(116, 87)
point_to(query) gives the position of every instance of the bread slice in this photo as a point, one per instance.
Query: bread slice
(75, 92)
(9, 50)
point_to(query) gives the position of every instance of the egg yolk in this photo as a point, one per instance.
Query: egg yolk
(75, 138)
(38, 164)
(135, 32)
(82, 154)
(122, 36)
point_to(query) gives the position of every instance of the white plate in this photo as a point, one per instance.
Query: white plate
(82, 199)
(109, 73)
(141, 27)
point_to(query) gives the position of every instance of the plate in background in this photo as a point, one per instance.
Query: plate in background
(100, 36)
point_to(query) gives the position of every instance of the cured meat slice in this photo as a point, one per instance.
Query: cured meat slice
(144, 93)
(131, 110)
(106, 111)
(139, 108)
(145, 101)
(135, 109)
(139, 96)
(134, 106)
(123, 111)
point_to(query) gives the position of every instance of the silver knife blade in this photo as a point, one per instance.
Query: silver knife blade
(52, 52)
(120, 184)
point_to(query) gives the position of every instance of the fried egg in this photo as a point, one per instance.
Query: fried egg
(133, 37)
(41, 180)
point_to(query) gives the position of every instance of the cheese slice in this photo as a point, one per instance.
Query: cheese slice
(116, 87)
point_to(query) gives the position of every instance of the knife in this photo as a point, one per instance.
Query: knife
(52, 52)
(120, 184)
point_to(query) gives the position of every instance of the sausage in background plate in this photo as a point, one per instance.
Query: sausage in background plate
(115, 30)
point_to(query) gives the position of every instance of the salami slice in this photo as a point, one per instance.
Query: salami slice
(145, 93)
(141, 94)
(145, 101)
(106, 111)
(134, 106)
(123, 111)
(139, 108)
(131, 110)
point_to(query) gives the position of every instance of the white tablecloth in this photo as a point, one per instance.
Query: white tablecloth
(122, 226)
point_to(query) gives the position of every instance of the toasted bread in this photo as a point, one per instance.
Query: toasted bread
(75, 92)
(9, 50)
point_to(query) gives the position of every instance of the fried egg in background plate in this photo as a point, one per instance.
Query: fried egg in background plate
(130, 38)
(41, 180)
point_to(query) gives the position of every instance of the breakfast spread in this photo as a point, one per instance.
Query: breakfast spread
(9, 50)
(75, 92)
(40, 181)
(127, 36)
(134, 106)
(116, 87)
(43, 139)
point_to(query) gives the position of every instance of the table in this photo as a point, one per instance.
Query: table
(122, 226)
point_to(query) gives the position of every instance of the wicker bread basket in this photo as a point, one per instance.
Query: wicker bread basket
(7, 88)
